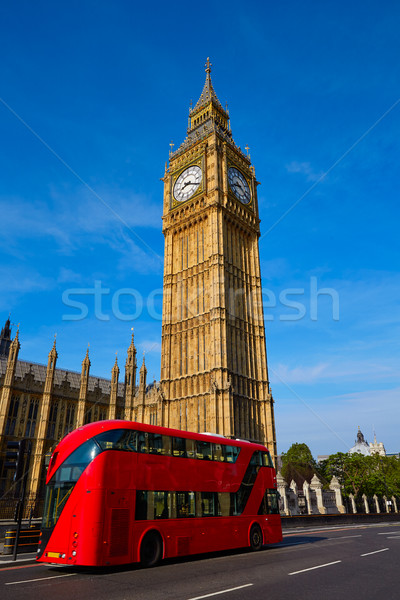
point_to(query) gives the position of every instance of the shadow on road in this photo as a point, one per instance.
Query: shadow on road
(297, 540)
(293, 541)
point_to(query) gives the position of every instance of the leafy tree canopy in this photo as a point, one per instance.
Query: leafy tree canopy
(298, 464)
(361, 474)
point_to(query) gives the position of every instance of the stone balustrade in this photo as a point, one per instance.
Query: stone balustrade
(313, 499)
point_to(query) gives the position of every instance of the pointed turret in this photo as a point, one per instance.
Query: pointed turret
(45, 408)
(112, 413)
(143, 374)
(5, 338)
(5, 396)
(51, 366)
(83, 390)
(130, 380)
(208, 107)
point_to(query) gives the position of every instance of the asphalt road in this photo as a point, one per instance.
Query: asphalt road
(322, 563)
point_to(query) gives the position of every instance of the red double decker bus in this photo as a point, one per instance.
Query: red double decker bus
(121, 492)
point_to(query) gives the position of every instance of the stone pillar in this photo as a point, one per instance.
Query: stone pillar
(335, 487)
(293, 489)
(365, 500)
(43, 420)
(112, 412)
(8, 382)
(378, 508)
(316, 486)
(386, 504)
(306, 491)
(142, 393)
(80, 419)
(353, 504)
(130, 381)
(282, 487)
(395, 504)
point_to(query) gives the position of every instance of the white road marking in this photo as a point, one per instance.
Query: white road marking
(386, 532)
(376, 552)
(317, 567)
(40, 579)
(240, 587)
(394, 537)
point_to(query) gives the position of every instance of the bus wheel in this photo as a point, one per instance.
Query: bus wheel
(151, 549)
(256, 538)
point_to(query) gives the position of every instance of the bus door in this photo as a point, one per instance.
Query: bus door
(118, 525)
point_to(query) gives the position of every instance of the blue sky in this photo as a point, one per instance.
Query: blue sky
(91, 95)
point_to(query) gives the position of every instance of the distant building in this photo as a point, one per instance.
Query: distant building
(377, 447)
(361, 446)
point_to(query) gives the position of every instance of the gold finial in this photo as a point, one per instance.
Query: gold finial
(247, 150)
(208, 65)
(171, 145)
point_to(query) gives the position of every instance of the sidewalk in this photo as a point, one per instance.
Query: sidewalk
(21, 558)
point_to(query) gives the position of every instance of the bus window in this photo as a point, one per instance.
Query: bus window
(160, 505)
(185, 504)
(267, 460)
(231, 453)
(203, 450)
(167, 445)
(118, 439)
(190, 448)
(155, 443)
(218, 452)
(142, 441)
(178, 446)
(208, 508)
(257, 459)
(63, 481)
(141, 505)
(269, 504)
(224, 504)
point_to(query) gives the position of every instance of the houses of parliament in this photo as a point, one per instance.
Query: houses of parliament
(214, 373)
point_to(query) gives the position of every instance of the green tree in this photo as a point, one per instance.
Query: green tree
(298, 464)
(361, 474)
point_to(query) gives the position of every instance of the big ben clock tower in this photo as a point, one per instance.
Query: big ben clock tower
(214, 372)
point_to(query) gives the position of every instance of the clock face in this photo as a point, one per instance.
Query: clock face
(187, 183)
(239, 186)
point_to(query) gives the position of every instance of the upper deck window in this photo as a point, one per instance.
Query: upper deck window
(146, 442)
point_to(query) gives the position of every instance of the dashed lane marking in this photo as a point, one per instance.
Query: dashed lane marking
(240, 587)
(40, 579)
(375, 552)
(317, 567)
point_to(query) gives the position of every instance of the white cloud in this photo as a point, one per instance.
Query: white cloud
(284, 374)
(304, 168)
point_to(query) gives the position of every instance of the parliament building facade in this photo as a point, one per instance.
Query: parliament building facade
(214, 373)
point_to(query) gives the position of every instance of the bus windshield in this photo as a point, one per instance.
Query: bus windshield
(63, 481)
